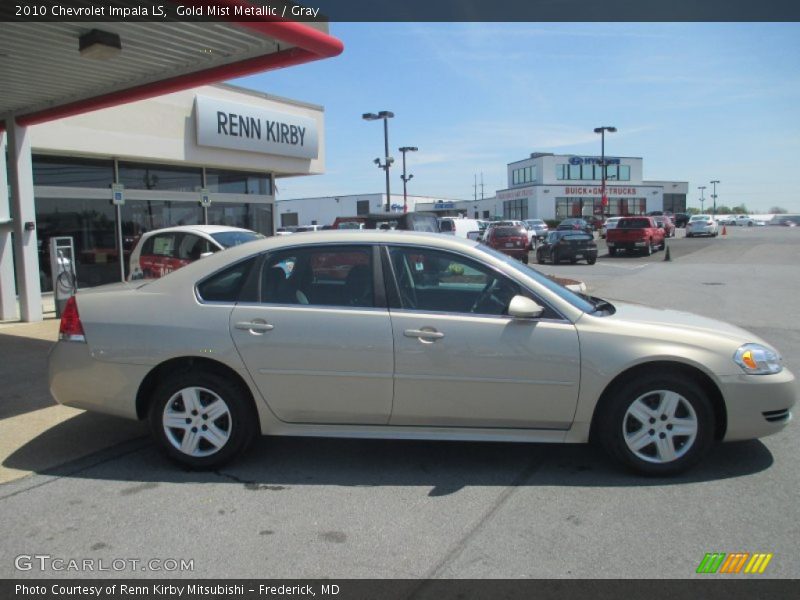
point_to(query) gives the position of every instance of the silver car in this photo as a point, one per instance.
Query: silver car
(407, 335)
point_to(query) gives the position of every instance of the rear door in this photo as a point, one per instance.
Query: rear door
(318, 343)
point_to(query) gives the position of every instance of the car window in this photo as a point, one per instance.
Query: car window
(192, 247)
(327, 276)
(446, 225)
(437, 281)
(162, 244)
(226, 285)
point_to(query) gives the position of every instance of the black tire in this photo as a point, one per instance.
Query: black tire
(688, 235)
(573, 261)
(591, 261)
(612, 251)
(525, 259)
(239, 423)
(614, 421)
(663, 245)
(540, 257)
(554, 255)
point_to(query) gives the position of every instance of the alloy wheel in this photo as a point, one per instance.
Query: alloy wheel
(660, 426)
(197, 421)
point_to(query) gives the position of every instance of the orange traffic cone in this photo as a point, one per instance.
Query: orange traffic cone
(724, 231)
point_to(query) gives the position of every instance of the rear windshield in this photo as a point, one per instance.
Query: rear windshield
(633, 224)
(446, 225)
(505, 232)
(226, 239)
(578, 237)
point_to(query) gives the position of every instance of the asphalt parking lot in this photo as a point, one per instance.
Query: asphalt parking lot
(311, 508)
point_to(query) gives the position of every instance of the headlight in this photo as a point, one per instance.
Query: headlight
(755, 359)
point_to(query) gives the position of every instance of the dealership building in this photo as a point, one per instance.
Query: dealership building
(109, 130)
(557, 186)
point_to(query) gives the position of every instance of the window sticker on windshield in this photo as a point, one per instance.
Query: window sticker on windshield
(418, 266)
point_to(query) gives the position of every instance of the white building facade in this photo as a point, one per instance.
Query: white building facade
(554, 187)
(324, 210)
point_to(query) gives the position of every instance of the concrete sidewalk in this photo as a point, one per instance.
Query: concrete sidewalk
(36, 433)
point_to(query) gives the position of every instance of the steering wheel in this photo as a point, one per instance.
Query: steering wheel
(485, 294)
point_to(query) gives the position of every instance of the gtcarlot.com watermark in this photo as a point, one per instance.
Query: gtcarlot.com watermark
(58, 564)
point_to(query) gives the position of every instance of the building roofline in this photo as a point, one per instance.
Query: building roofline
(265, 96)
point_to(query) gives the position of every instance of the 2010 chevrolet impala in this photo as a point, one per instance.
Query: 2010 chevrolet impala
(408, 335)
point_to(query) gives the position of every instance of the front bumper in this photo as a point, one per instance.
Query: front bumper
(757, 405)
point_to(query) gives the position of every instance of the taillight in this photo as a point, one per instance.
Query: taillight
(71, 329)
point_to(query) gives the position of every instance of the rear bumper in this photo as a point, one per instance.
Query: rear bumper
(758, 405)
(76, 379)
(514, 252)
(628, 245)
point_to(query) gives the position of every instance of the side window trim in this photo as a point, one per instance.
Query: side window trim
(395, 302)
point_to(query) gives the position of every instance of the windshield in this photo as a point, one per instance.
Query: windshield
(565, 294)
(226, 239)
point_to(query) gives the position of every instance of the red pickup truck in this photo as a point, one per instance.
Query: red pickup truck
(635, 233)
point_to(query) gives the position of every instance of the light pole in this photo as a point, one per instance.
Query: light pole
(702, 189)
(602, 132)
(714, 195)
(404, 177)
(387, 160)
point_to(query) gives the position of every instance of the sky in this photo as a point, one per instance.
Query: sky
(697, 101)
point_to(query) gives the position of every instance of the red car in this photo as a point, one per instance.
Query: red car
(509, 240)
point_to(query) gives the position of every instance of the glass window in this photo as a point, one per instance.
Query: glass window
(91, 225)
(254, 216)
(228, 239)
(436, 281)
(139, 216)
(562, 172)
(574, 171)
(340, 276)
(362, 207)
(624, 173)
(72, 172)
(138, 176)
(226, 286)
(238, 182)
(612, 172)
(588, 172)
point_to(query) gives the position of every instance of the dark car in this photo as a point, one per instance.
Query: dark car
(508, 240)
(567, 245)
(576, 225)
(681, 219)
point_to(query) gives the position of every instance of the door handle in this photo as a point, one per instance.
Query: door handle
(254, 326)
(424, 334)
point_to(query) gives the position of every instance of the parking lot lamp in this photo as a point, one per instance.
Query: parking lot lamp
(602, 131)
(404, 177)
(702, 196)
(714, 182)
(387, 160)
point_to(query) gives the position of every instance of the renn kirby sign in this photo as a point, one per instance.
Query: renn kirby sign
(223, 124)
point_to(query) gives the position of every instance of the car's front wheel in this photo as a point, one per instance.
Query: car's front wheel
(201, 420)
(657, 425)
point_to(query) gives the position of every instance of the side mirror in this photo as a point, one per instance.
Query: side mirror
(524, 308)
(204, 254)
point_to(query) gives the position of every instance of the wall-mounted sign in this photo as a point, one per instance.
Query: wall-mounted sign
(592, 160)
(224, 124)
(205, 197)
(598, 190)
(117, 194)
(444, 205)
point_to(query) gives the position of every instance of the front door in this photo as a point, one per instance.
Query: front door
(459, 361)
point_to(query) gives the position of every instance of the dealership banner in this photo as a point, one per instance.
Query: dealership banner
(396, 589)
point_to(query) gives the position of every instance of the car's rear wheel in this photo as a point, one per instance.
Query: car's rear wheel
(540, 257)
(657, 425)
(612, 251)
(591, 261)
(201, 420)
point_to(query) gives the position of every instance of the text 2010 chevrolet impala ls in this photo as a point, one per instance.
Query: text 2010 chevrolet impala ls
(408, 335)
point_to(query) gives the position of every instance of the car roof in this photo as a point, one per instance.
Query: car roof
(207, 229)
